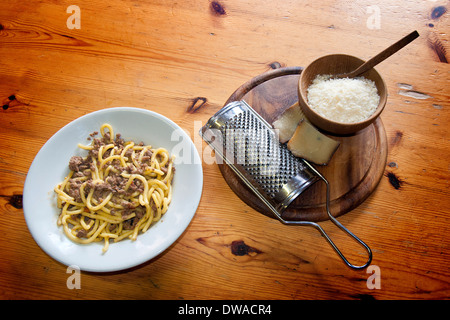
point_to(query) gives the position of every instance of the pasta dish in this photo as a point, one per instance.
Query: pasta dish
(116, 192)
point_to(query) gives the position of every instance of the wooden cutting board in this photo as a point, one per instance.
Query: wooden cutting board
(353, 173)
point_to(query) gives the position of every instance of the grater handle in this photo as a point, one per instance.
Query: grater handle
(337, 223)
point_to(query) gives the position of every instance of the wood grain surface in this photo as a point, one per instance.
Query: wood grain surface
(184, 59)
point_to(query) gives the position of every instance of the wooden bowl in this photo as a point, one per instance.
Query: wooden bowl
(337, 64)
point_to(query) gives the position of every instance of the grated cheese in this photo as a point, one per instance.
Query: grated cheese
(343, 100)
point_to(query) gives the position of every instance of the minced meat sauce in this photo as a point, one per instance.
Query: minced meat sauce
(114, 182)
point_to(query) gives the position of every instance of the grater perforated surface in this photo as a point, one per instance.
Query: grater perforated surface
(251, 148)
(269, 163)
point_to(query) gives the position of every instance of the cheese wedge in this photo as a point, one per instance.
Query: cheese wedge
(287, 122)
(310, 144)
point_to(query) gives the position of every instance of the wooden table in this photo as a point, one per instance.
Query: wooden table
(183, 59)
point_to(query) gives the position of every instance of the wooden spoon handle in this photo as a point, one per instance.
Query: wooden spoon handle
(384, 54)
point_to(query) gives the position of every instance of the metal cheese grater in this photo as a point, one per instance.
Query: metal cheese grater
(250, 147)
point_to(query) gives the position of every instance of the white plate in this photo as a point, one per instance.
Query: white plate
(51, 166)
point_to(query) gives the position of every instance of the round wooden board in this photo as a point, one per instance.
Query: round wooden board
(353, 173)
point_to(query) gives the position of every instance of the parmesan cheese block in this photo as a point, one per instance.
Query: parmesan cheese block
(310, 144)
(287, 122)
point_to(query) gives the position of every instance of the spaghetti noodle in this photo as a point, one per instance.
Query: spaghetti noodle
(118, 191)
